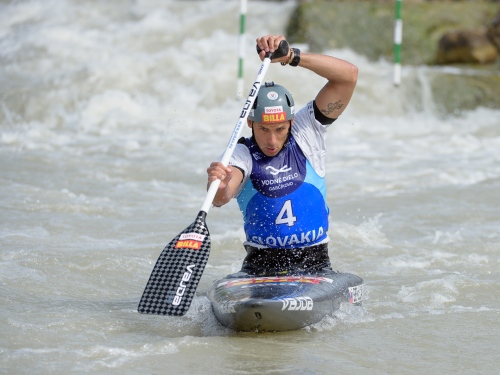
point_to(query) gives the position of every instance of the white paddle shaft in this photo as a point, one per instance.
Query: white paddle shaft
(233, 141)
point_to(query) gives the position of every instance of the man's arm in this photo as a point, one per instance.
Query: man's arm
(342, 76)
(230, 181)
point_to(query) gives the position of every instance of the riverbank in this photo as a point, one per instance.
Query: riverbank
(367, 27)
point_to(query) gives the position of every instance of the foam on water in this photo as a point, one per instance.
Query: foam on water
(110, 113)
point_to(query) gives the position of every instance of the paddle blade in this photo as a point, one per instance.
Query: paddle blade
(177, 272)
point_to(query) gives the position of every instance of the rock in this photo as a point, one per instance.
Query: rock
(466, 46)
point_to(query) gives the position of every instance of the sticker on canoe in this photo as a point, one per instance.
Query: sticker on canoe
(297, 303)
(356, 293)
(277, 279)
(228, 307)
(190, 241)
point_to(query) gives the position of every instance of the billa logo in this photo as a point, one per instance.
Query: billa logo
(190, 241)
(274, 117)
(188, 244)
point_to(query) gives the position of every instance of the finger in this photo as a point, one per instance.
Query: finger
(215, 164)
(266, 43)
(262, 55)
(277, 40)
(261, 43)
(217, 171)
(217, 175)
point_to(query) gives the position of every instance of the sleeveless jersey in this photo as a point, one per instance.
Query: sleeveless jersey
(283, 198)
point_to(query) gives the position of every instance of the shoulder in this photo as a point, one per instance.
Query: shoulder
(241, 158)
(306, 113)
(305, 123)
(310, 136)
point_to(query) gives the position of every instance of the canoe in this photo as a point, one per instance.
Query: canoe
(282, 303)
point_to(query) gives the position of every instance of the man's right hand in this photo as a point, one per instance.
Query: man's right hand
(270, 43)
(218, 171)
(230, 178)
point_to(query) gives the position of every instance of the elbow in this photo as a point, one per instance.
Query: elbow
(353, 74)
(220, 201)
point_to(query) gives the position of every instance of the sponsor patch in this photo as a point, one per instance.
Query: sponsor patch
(272, 95)
(190, 241)
(228, 307)
(275, 171)
(356, 294)
(297, 303)
(188, 244)
(270, 118)
(192, 236)
(275, 109)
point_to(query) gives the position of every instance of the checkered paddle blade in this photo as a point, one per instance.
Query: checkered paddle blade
(175, 277)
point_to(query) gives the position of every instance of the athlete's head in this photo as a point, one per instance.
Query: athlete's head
(273, 104)
(271, 118)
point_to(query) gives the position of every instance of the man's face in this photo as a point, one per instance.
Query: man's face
(270, 137)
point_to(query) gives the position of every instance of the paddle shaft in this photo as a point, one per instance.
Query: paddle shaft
(172, 284)
(233, 141)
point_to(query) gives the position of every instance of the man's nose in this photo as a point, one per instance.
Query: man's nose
(272, 138)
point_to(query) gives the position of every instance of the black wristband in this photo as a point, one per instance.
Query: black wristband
(296, 57)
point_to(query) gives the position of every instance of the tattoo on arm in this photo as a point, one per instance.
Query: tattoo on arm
(332, 107)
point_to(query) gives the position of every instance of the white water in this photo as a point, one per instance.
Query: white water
(110, 113)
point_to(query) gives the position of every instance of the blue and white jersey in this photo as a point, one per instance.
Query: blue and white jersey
(283, 198)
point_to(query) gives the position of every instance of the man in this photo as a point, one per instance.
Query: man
(277, 175)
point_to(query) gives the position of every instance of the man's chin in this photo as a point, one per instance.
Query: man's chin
(271, 152)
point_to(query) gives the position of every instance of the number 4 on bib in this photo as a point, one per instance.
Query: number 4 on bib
(286, 215)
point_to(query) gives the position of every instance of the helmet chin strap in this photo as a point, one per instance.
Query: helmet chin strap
(288, 135)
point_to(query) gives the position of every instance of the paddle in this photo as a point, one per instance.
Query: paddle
(177, 272)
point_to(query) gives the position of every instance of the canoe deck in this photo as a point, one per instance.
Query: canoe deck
(282, 303)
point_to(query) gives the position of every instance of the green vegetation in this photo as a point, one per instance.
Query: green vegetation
(367, 26)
